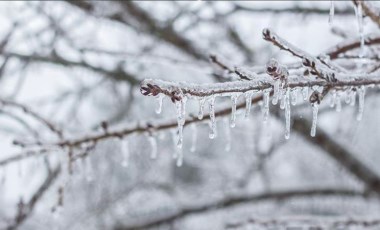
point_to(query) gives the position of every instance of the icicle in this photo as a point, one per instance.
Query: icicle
(266, 105)
(276, 92)
(353, 97)
(227, 148)
(361, 93)
(248, 103)
(160, 99)
(212, 117)
(181, 111)
(233, 111)
(283, 99)
(305, 93)
(125, 152)
(315, 107)
(193, 138)
(359, 18)
(201, 106)
(153, 145)
(293, 96)
(348, 97)
(332, 10)
(287, 114)
(338, 102)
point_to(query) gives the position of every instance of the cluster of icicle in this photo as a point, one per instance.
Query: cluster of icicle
(281, 94)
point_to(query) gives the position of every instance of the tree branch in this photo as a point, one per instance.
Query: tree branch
(229, 202)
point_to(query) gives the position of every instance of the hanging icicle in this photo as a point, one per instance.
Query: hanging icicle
(248, 103)
(287, 113)
(201, 106)
(332, 11)
(276, 91)
(160, 99)
(181, 118)
(294, 96)
(361, 94)
(211, 102)
(359, 18)
(305, 93)
(266, 94)
(315, 107)
(234, 98)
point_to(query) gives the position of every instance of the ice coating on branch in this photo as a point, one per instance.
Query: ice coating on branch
(287, 113)
(201, 107)
(315, 107)
(194, 131)
(124, 152)
(248, 103)
(305, 93)
(178, 90)
(227, 148)
(181, 118)
(211, 102)
(332, 11)
(160, 99)
(153, 145)
(361, 94)
(233, 110)
(266, 94)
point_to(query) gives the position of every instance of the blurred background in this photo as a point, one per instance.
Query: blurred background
(80, 63)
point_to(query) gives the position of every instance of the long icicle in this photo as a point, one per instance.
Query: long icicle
(287, 113)
(212, 133)
(332, 11)
(315, 107)
(361, 93)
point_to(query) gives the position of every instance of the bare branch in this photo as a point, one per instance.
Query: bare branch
(25, 210)
(244, 199)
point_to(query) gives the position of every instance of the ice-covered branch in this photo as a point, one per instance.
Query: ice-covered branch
(352, 44)
(308, 60)
(177, 91)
